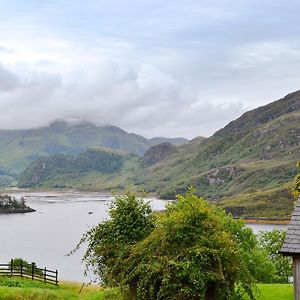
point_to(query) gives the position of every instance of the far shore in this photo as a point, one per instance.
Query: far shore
(15, 190)
(271, 221)
(16, 211)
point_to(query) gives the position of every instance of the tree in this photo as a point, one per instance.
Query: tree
(192, 250)
(192, 253)
(131, 220)
(296, 188)
(271, 242)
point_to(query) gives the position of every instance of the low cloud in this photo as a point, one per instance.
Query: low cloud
(144, 100)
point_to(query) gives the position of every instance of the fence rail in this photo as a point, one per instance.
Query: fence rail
(29, 271)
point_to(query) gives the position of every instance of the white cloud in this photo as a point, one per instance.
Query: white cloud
(155, 68)
(145, 101)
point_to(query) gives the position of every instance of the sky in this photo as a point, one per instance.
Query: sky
(156, 68)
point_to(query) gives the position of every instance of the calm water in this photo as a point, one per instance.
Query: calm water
(49, 234)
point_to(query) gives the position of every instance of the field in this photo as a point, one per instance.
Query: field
(22, 289)
(26, 289)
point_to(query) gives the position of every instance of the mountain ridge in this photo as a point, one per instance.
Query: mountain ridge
(20, 147)
(247, 167)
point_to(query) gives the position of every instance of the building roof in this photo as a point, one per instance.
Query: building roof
(291, 245)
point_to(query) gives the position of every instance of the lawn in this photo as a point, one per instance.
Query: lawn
(275, 292)
(26, 289)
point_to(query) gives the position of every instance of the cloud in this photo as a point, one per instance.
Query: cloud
(144, 100)
(155, 68)
(8, 80)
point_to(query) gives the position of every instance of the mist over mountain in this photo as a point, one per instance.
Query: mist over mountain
(247, 167)
(71, 136)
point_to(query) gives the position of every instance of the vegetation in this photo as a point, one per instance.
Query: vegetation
(26, 289)
(194, 252)
(274, 291)
(109, 243)
(247, 167)
(296, 188)
(57, 169)
(11, 203)
(21, 147)
(191, 251)
(271, 242)
(17, 263)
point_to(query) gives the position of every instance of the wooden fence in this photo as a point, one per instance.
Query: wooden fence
(29, 271)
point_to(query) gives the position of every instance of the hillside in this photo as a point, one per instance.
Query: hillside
(247, 167)
(96, 168)
(20, 147)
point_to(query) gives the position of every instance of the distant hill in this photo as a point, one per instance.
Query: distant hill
(173, 141)
(247, 167)
(20, 147)
(96, 168)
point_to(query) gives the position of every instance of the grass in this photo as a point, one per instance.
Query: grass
(26, 289)
(275, 292)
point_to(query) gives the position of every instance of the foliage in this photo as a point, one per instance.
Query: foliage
(24, 283)
(254, 258)
(296, 188)
(254, 154)
(192, 253)
(100, 161)
(109, 243)
(8, 202)
(271, 242)
(17, 263)
(48, 168)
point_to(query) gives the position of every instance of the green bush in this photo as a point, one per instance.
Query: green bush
(109, 243)
(271, 242)
(191, 251)
(296, 189)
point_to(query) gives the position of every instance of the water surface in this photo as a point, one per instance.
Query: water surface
(61, 218)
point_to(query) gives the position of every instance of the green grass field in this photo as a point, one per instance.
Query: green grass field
(276, 292)
(25, 289)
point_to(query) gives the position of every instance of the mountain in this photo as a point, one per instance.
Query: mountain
(96, 168)
(246, 167)
(20, 147)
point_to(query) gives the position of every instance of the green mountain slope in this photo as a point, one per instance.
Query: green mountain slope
(20, 147)
(247, 167)
(97, 168)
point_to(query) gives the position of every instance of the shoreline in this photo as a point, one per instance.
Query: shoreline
(248, 220)
(267, 221)
(16, 211)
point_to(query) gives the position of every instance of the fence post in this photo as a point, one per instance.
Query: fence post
(11, 267)
(32, 270)
(21, 269)
(45, 270)
(56, 276)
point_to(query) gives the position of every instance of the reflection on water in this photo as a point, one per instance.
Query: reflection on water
(49, 234)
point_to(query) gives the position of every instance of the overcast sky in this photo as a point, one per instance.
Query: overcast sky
(156, 68)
